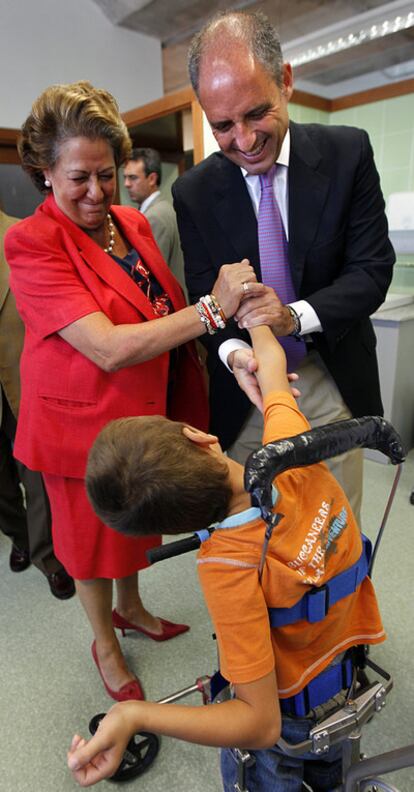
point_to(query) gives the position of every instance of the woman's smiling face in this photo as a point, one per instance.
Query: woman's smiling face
(84, 180)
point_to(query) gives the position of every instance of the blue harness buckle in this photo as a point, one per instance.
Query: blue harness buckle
(317, 604)
(326, 685)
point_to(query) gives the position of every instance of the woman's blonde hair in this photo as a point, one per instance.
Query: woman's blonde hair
(62, 112)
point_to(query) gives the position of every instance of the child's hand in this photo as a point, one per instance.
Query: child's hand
(294, 378)
(99, 758)
(244, 365)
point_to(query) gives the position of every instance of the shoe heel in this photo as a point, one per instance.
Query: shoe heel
(123, 632)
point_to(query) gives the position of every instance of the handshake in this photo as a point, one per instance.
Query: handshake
(251, 304)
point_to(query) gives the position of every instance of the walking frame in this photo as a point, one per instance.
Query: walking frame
(364, 698)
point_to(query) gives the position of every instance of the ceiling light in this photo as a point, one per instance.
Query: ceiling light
(366, 27)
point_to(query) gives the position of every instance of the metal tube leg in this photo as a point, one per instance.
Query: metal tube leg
(351, 753)
(244, 760)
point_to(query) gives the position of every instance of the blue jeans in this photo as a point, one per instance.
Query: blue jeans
(274, 771)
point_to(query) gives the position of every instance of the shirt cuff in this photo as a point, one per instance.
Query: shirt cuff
(230, 346)
(308, 317)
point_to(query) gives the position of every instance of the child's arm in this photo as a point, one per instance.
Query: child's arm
(251, 720)
(271, 361)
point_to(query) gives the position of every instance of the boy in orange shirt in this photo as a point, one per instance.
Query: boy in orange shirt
(150, 473)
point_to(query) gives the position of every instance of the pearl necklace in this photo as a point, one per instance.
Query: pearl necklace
(111, 228)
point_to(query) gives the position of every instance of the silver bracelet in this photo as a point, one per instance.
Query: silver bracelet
(205, 317)
(211, 313)
(215, 309)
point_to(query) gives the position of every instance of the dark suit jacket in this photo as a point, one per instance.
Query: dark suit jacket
(59, 274)
(340, 256)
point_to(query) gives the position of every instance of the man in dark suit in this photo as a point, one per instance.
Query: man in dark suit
(327, 189)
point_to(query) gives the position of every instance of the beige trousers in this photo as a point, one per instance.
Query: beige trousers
(321, 403)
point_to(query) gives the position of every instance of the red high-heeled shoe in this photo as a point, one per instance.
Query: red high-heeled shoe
(169, 629)
(131, 690)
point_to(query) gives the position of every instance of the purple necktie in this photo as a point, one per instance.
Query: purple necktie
(274, 263)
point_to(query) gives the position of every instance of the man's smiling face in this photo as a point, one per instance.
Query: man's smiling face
(246, 109)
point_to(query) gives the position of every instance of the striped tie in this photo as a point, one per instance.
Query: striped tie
(274, 263)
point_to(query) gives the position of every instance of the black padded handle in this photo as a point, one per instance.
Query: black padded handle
(305, 449)
(172, 549)
(314, 446)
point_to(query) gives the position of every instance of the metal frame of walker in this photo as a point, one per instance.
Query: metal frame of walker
(345, 723)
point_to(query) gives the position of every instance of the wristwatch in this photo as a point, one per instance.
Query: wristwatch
(296, 332)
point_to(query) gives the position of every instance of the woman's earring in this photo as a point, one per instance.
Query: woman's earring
(48, 183)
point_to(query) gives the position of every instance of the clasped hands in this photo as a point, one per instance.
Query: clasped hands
(251, 304)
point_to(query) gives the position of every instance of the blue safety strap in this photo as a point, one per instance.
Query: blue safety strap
(315, 604)
(326, 685)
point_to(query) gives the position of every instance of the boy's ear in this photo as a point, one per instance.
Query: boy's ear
(199, 437)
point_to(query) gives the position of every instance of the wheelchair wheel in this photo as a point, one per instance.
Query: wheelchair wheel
(139, 755)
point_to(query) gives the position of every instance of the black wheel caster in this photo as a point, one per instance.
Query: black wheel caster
(139, 755)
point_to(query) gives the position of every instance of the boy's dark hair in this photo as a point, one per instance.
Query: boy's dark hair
(145, 477)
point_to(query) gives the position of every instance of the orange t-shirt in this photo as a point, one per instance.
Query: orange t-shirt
(317, 539)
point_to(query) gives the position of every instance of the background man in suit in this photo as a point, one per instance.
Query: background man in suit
(340, 259)
(142, 178)
(30, 528)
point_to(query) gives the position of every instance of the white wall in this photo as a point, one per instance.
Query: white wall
(59, 41)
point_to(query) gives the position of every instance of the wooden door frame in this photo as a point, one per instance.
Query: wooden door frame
(186, 100)
(172, 103)
(8, 146)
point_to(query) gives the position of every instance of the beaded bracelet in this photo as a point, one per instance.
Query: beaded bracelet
(215, 310)
(211, 313)
(219, 310)
(204, 318)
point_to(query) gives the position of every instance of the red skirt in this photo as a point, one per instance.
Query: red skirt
(86, 547)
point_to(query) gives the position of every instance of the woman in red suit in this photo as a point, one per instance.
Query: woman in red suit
(107, 333)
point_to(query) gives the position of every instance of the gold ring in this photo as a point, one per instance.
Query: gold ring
(245, 287)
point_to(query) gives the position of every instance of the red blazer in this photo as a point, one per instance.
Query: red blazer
(58, 275)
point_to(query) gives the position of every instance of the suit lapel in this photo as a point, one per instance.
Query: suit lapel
(308, 191)
(234, 211)
(129, 220)
(109, 271)
(153, 203)
(143, 241)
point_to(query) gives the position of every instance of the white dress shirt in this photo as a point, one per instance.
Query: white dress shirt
(148, 201)
(308, 317)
